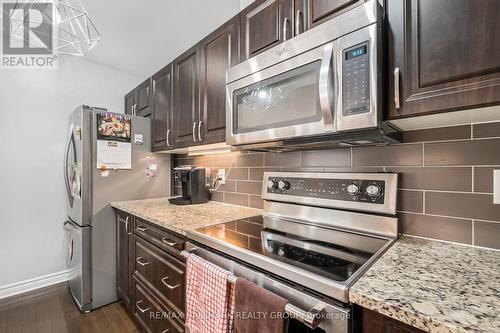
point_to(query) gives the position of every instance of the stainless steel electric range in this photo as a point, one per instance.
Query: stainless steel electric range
(318, 234)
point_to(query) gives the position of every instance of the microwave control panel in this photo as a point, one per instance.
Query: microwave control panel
(355, 80)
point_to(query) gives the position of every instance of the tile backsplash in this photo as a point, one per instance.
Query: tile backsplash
(445, 185)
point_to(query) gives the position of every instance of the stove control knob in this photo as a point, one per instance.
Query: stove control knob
(353, 189)
(373, 190)
(272, 184)
(283, 185)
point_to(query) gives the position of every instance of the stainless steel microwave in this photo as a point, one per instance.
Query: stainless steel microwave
(321, 87)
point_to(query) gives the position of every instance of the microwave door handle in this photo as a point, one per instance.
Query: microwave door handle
(325, 83)
(194, 131)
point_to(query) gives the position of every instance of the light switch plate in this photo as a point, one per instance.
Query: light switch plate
(496, 186)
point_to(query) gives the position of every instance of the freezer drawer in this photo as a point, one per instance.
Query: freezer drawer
(78, 241)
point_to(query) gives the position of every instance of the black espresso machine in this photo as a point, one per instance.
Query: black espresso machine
(194, 187)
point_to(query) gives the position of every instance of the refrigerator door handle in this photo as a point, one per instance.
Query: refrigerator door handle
(66, 160)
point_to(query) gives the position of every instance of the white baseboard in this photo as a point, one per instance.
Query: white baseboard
(33, 284)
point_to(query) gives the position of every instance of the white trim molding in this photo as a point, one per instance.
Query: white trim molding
(33, 284)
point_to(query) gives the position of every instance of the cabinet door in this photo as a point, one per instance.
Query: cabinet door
(124, 239)
(143, 97)
(162, 273)
(368, 321)
(265, 24)
(442, 55)
(130, 102)
(186, 99)
(153, 316)
(219, 51)
(315, 12)
(161, 117)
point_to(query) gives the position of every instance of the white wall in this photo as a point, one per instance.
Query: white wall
(34, 110)
(244, 3)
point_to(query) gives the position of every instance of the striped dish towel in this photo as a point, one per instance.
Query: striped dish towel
(209, 297)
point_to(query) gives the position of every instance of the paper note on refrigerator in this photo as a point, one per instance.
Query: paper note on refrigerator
(114, 155)
(114, 146)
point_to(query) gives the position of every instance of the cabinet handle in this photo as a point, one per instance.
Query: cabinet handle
(285, 24)
(168, 138)
(194, 131)
(142, 263)
(141, 228)
(397, 101)
(165, 331)
(154, 87)
(126, 225)
(168, 241)
(199, 130)
(139, 308)
(168, 285)
(297, 22)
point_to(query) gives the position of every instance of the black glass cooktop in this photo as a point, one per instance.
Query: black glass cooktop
(324, 258)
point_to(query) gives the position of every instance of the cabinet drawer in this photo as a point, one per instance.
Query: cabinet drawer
(153, 317)
(161, 238)
(162, 272)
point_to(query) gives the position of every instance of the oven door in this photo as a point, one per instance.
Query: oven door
(294, 98)
(332, 317)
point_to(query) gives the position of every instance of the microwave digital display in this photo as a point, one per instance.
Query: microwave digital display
(357, 52)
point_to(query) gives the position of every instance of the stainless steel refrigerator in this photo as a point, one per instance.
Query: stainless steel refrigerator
(91, 227)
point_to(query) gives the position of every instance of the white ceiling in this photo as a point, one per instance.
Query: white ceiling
(142, 36)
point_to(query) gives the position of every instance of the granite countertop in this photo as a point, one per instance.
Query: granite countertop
(434, 286)
(181, 219)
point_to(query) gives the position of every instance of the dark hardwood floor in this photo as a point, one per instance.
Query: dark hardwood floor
(52, 310)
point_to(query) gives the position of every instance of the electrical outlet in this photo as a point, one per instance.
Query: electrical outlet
(496, 186)
(221, 174)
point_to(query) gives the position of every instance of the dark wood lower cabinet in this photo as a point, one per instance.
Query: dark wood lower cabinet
(162, 273)
(124, 254)
(151, 314)
(151, 274)
(368, 321)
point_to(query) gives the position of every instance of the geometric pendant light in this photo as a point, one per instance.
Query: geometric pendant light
(73, 31)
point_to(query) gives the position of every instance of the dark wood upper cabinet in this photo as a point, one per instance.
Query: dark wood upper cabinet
(265, 24)
(143, 96)
(310, 13)
(130, 102)
(162, 109)
(442, 55)
(320, 11)
(137, 101)
(219, 51)
(186, 99)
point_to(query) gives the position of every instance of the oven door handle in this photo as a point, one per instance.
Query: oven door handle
(326, 87)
